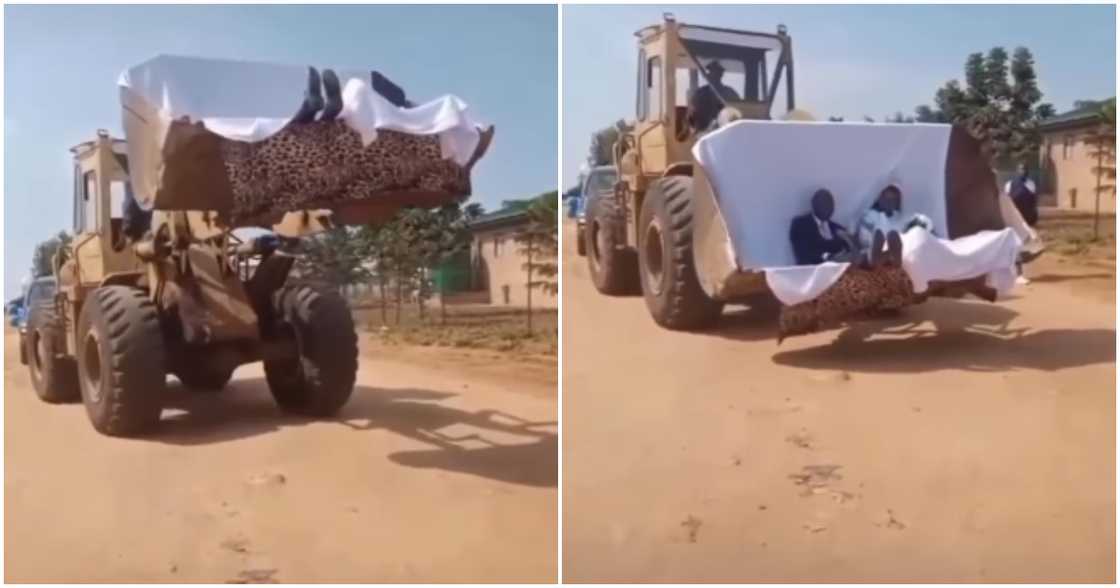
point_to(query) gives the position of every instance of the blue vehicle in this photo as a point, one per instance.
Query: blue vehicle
(600, 180)
(40, 290)
(572, 201)
(12, 309)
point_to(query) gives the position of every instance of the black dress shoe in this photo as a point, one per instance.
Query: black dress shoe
(312, 98)
(333, 90)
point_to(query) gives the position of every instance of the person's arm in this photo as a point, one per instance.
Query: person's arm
(849, 241)
(802, 248)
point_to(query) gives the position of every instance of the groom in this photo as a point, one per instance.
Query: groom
(815, 238)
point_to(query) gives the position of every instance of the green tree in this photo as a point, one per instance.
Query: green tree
(447, 236)
(337, 256)
(1102, 140)
(540, 245)
(925, 114)
(43, 258)
(473, 211)
(377, 240)
(1000, 103)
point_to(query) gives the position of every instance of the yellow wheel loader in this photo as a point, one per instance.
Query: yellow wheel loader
(709, 183)
(155, 281)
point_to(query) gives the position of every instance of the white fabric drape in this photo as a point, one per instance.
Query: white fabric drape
(764, 173)
(252, 101)
(925, 258)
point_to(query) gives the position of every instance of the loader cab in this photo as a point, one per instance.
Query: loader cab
(100, 187)
(674, 61)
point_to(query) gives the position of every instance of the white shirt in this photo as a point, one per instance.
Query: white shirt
(1029, 184)
(824, 228)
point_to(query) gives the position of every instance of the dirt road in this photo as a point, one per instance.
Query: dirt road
(962, 441)
(431, 474)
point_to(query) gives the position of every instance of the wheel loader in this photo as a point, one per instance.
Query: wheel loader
(159, 280)
(709, 181)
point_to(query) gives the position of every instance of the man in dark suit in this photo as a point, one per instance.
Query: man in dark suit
(815, 238)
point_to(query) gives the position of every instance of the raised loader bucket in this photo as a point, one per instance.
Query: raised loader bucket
(225, 136)
(758, 175)
(755, 177)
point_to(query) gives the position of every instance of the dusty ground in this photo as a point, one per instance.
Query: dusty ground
(963, 441)
(441, 468)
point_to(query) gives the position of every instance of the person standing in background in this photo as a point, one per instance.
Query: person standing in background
(1023, 193)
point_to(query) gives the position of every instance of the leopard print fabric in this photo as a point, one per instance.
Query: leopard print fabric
(315, 165)
(857, 291)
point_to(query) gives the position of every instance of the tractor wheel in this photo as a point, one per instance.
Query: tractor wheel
(581, 243)
(669, 283)
(121, 361)
(53, 373)
(320, 380)
(205, 379)
(614, 267)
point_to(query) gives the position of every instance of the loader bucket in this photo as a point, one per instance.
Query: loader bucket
(224, 136)
(754, 177)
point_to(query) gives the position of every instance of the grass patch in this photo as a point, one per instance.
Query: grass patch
(1070, 233)
(465, 326)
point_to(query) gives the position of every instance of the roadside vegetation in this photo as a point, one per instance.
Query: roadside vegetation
(474, 326)
(1071, 234)
(393, 266)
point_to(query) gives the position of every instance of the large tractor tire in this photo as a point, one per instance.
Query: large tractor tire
(669, 282)
(121, 361)
(54, 375)
(613, 266)
(320, 380)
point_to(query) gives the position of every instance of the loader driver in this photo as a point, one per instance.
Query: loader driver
(705, 102)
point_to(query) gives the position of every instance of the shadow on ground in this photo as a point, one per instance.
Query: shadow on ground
(953, 334)
(1057, 278)
(246, 409)
(758, 322)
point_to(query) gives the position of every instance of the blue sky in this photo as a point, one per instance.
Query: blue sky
(61, 66)
(849, 61)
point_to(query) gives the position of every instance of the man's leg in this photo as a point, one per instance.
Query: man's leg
(1020, 279)
(875, 255)
(1032, 242)
(894, 248)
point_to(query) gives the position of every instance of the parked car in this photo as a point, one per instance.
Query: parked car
(12, 309)
(571, 202)
(600, 179)
(39, 290)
